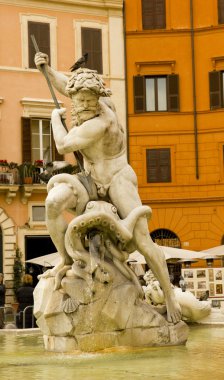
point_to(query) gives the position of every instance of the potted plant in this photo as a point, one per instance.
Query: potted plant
(4, 166)
(26, 171)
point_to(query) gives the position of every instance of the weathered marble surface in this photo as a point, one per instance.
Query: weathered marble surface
(192, 309)
(92, 299)
(92, 317)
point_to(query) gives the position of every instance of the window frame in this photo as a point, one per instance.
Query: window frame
(139, 93)
(216, 89)
(158, 176)
(33, 222)
(27, 149)
(78, 25)
(156, 93)
(52, 21)
(155, 16)
(41, 135)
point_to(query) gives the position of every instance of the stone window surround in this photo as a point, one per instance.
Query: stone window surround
(9, 252)
(24, 18)
(77, 25)
(37, 107)
(30, 214)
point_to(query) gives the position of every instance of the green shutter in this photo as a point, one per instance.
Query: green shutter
(41, 32)
(139, 94)
(173, 93)
(215, 86)
(26, 140)
(92, 44)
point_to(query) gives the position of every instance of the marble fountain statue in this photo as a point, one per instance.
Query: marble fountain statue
(92, 300)
(192, 309)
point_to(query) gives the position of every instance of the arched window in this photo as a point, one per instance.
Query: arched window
(1, 251)
(165, 237)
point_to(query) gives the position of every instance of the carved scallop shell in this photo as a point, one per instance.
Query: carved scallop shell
(70, 305)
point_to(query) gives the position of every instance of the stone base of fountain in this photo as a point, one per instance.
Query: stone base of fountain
(100, 315)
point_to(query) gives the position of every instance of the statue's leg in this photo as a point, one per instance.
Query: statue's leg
(65, 192)
(124, 195)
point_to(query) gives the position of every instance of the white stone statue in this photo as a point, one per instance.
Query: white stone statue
(98, 135)
(192, 309)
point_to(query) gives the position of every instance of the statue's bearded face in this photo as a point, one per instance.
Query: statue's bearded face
(85, 105)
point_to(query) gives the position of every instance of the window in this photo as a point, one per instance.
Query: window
(158, 165)
(92, 44)
(41, 32)
(153, 14)
(216, 88)
(37, 140)
(156, 93)
(44, 27)
(165, 238)
(92, 36)
(221, 11)
(37, 213)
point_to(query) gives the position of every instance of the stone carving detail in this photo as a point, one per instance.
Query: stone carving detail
(192, 309)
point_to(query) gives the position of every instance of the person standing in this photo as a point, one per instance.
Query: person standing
(24, 296)
(2, 301)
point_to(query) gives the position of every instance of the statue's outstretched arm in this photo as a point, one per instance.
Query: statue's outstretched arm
(77, 138)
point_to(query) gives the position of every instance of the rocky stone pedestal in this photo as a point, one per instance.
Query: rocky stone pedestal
(92, 317)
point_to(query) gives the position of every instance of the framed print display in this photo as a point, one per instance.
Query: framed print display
(199, 280)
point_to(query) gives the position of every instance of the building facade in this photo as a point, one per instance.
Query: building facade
(65, 30)
(175, 66)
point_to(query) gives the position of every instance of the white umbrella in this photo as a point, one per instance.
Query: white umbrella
(178, 253)
(219, 251)
(46, 260)
(170, 253)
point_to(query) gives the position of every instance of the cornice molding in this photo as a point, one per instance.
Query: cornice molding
(95, 7)
(180, 201)
(154, 32)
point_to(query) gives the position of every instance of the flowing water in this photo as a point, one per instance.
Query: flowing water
(24, 358)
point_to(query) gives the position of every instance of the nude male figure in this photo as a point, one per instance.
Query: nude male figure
(97, 134)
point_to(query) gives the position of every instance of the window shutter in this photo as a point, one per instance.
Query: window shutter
(165, 165)
(92, 44)
(215, 80)
(221, 11)
(41, 32)
(148, 14)
(160, 14)
(158, 165)
(173, 93)
(139, 94)
(153, 14)
(26, 140)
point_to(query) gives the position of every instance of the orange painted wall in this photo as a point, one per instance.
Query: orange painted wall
(190, 207)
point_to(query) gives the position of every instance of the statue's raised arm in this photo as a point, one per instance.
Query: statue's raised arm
(58, 80)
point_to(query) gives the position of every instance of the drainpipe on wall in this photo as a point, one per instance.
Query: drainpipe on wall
(125, 79)
(194, 90)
